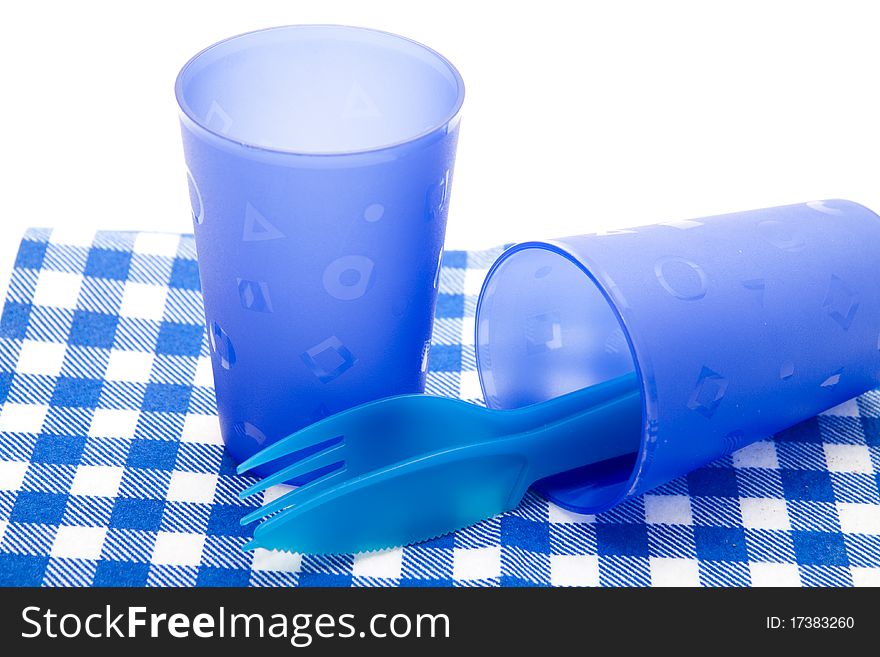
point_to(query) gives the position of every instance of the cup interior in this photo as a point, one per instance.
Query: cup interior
(319, 89)
(544, 329)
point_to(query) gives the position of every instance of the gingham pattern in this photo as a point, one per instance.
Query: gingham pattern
(112, 471)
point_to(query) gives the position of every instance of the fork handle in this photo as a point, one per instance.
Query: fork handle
(608, 430)
(537, 415)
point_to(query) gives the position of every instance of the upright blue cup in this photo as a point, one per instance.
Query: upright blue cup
(738, 326)
(319, 166)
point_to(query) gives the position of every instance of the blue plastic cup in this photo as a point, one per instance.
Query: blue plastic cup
(738, 326)
(319, 165)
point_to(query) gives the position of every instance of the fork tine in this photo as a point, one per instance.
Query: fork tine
(316, 461)
(290, 497)
(309, 436)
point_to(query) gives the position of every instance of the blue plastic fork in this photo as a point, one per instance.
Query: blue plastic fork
(389, 430)
(414, 467)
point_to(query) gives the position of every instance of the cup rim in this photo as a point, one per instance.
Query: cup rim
(643, 367)
(441, 126)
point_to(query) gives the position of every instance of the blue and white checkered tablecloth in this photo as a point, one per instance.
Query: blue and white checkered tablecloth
(112, 471)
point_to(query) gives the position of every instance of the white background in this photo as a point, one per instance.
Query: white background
(577, 116)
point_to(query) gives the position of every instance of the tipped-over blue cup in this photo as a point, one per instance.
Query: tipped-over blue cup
(738, 326)
(319, 166)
